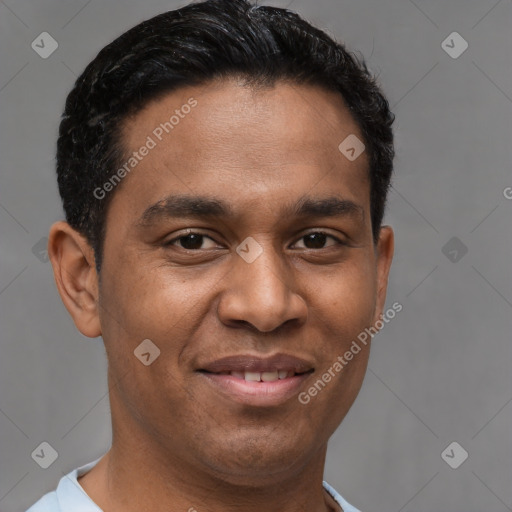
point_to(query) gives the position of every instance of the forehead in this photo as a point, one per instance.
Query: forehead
(248, 146)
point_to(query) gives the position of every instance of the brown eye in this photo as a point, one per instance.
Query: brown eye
(192, 242)
(317, 240)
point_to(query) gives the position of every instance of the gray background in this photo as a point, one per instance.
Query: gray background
(439, 372)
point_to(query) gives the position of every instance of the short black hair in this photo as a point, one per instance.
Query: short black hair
(194, 45)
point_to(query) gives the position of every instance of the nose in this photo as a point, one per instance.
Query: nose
(262, 293)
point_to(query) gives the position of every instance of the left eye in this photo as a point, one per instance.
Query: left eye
(317, 240)
(191, 241)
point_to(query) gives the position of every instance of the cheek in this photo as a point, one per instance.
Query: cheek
(145, 302)
(144, 332)
(149, 304)
(347, 298)
(345, 305)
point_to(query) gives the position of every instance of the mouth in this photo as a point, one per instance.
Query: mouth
(267, 376)
(257, 381)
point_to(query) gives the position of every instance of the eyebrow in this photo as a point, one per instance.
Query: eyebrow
(204, 207)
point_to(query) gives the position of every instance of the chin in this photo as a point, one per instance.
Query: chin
(257, 459)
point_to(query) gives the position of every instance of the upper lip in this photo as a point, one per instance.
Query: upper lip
(254, 363)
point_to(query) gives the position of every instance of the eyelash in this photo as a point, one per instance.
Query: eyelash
(172, 242)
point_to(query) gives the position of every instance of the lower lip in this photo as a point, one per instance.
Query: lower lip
(256, 393)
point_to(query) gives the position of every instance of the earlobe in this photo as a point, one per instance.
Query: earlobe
(385, 250)
(74, 270)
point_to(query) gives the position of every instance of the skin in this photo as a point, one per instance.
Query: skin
(177, 442)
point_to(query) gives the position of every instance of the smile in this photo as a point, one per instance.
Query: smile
(256, 381)
(271, 376)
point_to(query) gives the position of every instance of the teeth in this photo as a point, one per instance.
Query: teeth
(269, 376)
(263, 376)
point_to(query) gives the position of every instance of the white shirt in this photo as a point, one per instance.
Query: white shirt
(71, 497)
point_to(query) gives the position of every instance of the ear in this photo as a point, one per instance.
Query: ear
(75, 274)
(384, 251)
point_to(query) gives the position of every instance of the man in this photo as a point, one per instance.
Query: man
(223, 169)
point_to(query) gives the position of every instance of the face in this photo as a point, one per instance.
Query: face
(241, 245)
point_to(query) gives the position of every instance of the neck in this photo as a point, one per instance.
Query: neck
(131, 477)
(138, 483)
